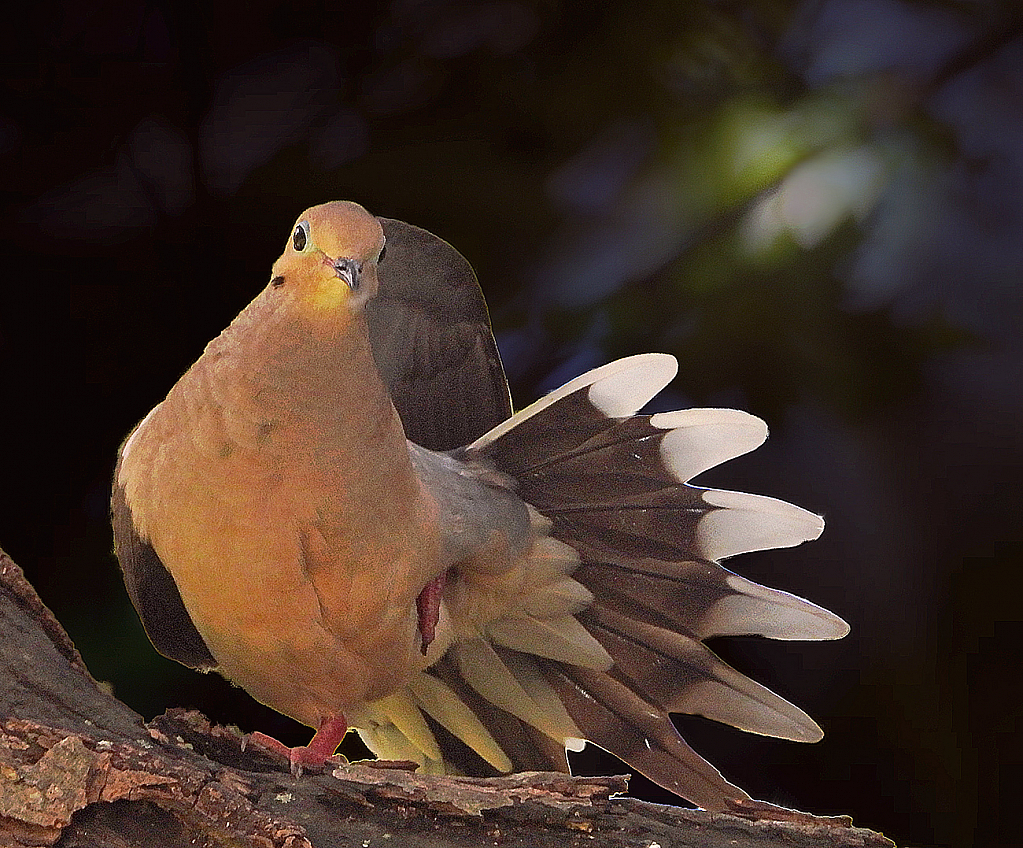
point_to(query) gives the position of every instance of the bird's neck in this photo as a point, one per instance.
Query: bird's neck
(279, 380)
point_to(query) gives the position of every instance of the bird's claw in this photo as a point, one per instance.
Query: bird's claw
(298, 759)
(314, 756)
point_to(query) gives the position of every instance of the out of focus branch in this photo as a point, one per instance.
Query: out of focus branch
(975, 52)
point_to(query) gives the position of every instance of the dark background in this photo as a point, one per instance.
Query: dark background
(816, 206)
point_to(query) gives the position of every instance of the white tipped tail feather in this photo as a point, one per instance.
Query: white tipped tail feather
(605, 638)
(615, 390)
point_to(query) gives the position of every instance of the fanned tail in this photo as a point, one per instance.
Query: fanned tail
(606, 653)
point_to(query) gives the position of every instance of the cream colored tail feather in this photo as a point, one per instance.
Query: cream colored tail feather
(604, 635)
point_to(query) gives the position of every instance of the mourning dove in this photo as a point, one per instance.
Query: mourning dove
(336, 509)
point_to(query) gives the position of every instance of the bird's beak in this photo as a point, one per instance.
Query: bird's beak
(345, 269)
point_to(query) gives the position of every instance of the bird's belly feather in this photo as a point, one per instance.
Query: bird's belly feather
(297, 584)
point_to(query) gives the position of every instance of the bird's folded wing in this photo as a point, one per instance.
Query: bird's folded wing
(431, 338)
(153, 591)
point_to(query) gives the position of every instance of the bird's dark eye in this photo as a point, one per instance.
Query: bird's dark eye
(380, 258)
(300, 237)
(277, 282)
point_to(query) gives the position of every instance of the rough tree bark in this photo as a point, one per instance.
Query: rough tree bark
(78, 768)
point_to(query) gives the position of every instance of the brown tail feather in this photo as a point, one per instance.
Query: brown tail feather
(614, 488)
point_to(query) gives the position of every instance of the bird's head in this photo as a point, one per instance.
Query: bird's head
(329, 266)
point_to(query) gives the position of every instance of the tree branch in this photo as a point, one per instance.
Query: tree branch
(78, 768)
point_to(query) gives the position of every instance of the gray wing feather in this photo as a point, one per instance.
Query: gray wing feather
(153, 592)
(430, 333)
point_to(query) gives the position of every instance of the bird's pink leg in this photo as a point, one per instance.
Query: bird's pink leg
(320, 748)
(428, 607)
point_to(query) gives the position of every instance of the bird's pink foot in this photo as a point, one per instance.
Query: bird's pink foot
(320, 749)
(428, 608)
